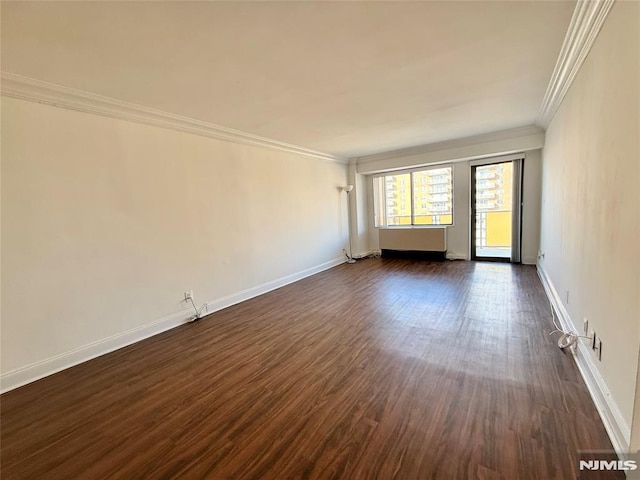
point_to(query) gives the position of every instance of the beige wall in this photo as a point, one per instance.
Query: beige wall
(590, 212)
(105, 223)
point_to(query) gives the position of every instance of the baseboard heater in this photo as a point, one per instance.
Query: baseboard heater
(414, 243)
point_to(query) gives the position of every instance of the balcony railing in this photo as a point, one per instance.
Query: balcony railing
(439, 181)
(486, 194)
(486, 175)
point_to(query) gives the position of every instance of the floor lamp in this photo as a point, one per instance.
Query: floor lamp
(348, 188)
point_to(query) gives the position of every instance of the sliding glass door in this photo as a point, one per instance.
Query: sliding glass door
(495, 207)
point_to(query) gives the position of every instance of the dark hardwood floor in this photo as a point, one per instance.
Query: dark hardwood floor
(386, 369)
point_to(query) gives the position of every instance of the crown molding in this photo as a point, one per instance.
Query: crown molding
(587, 19)
(24, 88)
(512, 133)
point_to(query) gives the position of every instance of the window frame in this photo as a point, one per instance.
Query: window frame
(377, 203)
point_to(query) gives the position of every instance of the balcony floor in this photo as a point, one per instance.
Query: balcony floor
(497, 252)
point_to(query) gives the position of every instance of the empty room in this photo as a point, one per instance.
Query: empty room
(320, 239)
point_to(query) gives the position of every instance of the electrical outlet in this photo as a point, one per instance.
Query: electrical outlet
(593, 338)
(585, 326)
(599, 349)
(188, 295)
(567, 297)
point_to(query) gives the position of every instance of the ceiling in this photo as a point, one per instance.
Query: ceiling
(345, 78)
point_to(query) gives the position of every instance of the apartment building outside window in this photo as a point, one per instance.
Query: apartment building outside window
(418, 197)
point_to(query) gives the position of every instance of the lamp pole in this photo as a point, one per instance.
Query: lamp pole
(348, 189)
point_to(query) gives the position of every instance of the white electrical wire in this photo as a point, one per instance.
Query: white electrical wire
(198, 315)
(567, 339)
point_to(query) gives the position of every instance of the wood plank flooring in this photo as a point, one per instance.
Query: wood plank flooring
(386, 369)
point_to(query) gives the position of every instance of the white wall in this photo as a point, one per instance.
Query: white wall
(590, 211)
(105, 223)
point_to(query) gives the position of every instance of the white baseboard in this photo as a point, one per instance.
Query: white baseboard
(617, 428)
(529, 260)
(35, 371)
(258, 290)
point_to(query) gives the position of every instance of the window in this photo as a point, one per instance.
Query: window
(420, 197)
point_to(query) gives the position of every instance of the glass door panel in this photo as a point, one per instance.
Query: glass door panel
(492, 210)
